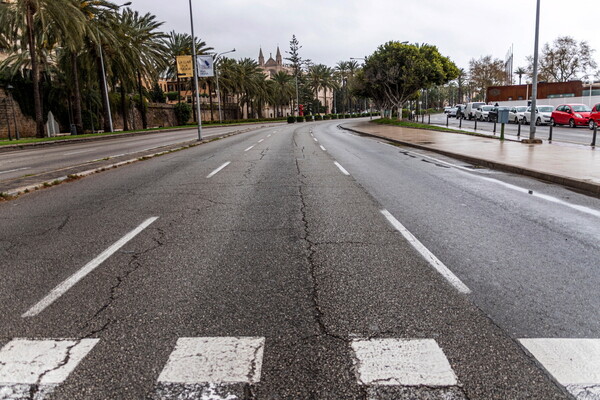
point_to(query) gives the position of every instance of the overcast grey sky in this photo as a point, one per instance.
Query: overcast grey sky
(334, 30)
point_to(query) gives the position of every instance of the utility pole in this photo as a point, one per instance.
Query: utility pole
(195, 66)
(535, 74)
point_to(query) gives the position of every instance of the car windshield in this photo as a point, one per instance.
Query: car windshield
(545, 109)
(581, 108)
(521, 109)
(502, 108)
(486, 108)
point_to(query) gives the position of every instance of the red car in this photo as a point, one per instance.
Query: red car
(571, 114)
(595, 116)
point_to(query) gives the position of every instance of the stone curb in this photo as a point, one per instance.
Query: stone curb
(26, 146)
(584, 186)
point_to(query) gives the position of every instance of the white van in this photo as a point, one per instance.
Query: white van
(471, 108)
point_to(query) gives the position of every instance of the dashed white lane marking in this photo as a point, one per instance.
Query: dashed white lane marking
(516, 188)
(337, 164)
(574, 363)
(428, 255)
(250, 148)
(216, 171)
(405, 362)
(261, 140)
(77, 152)
(315, 139)
(89, 267)
(43, 363)
(14, 170)
(323, 148)
(215, 360)
(269, 135)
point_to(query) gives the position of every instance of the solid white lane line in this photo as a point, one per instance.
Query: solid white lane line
(260, 140)
(77, 152)
(427, 255)
(218, 169)
(14, 170)
(323, 148)
(89, 267)
(337, 164)
(401, 362)
(516, 188)
(250, 148)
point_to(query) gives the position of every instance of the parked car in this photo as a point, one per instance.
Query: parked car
(571, 114)
(515, 114)
(447, 110)
(452, 112)
(471, 108)
(482, 112)
(460, 111)
(493, 114)
(595, 116)
(543, 115)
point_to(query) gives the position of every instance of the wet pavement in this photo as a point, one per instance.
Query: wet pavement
(569, 165)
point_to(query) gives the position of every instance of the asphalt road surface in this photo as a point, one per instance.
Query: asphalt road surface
(580, 135)
(281, 264)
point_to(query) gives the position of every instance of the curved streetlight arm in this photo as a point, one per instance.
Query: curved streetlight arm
(215, 58)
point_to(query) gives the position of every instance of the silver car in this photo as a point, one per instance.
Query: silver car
(482, 113)
(515, 114)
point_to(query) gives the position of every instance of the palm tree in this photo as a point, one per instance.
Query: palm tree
(31, 25)
(283, 89)
(520, 72)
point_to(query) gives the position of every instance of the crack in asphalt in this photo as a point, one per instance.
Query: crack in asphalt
(133, 266)
(35, 388)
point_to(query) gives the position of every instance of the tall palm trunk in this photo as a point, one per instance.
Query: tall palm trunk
(325, 98)
(77, 116)
(210, 99)
(37, 98)
(142, 102)
(124, 108)
(104, 92)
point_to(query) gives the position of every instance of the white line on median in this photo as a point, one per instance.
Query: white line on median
(250, 148)
(428, 255)
(14, 170)
(337, 164)
(218, 169)
(323, 148)
(89, 267)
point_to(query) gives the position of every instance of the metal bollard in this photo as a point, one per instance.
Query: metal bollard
(429, 119)
(494, 127)
(447, 119)
(594, 137)
(475, 124)
(422, 118)
(460, 122)
(550, 133)
(519, 128)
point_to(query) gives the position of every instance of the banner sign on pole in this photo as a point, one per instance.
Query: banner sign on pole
(205, 66)
(184, 67)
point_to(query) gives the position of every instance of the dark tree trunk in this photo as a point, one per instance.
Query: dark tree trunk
(77, 117)
(37, 98)
(142, 102)
(104, 92)
(124, 109)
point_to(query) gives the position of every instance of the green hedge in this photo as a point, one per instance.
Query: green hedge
(318, 117)
(308, 118)
(299, 119)
(291, 120)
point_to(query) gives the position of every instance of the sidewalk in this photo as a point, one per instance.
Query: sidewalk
(566, 165)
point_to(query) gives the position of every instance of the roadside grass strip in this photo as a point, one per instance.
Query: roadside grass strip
(216, 171)
(33, 368)
(211, 368)
(337, 164)
(574, 363)
(427, 255)
(62, 288)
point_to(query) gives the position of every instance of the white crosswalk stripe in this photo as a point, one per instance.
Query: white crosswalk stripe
(32, 368)
(211, 368)
(574, 363)
(404, 367)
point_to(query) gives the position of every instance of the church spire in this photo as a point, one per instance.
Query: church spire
(278, 57)
(261, 58)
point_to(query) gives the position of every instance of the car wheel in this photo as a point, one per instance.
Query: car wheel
(552, 122)
(538, 122)
(572, 123)
(592, 124)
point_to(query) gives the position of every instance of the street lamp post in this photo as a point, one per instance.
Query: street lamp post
(195, 66)
(591, 83)
(535, 73)
(217, 76)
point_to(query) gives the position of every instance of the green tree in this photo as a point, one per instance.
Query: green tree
(564, 60)
(399, 71)
(485, 72)
(520, 72)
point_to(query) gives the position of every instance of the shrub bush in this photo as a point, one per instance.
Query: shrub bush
(183, 112)
(347, 116)
(308, 118)
(172, 96)
(299, 119)
(326, 117)
(291, 120)
(318, 117)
